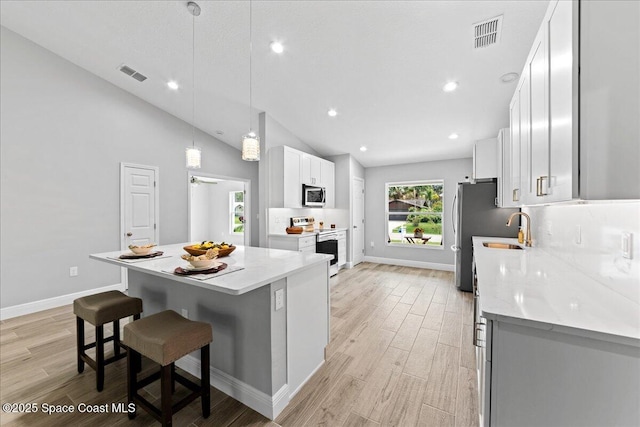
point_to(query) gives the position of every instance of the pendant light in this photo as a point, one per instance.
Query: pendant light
(250, 141)
(193, 153)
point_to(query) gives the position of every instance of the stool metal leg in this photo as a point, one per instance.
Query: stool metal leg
(80, 343)
(131, 379)
(204, 381)
(165, 394)
(100, 357)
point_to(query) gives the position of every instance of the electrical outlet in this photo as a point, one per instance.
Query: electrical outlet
(73, 271)
(627, 244)
(279, 299)
(185, 313)
(372, 243)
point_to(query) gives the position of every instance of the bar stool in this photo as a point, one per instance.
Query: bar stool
(99, 309)
(164, 338)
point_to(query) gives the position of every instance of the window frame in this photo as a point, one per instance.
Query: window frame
(232, 212)
(388, 242)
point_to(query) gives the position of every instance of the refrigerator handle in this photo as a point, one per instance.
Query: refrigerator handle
(453, 213)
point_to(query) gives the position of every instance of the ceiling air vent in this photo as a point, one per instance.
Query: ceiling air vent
(487, 33)
(133, 73)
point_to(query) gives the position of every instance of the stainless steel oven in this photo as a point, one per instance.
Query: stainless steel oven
(313, 196)
(327, 243)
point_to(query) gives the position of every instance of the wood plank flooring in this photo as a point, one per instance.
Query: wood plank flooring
(400, 355)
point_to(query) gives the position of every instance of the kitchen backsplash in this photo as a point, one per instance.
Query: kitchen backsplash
(279, 217)
(589, 237)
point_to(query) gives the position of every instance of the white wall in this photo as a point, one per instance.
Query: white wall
(64, 133)
(598, 255)
(452, 171)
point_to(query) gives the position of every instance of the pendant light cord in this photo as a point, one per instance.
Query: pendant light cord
(193, 81)
(250, 65)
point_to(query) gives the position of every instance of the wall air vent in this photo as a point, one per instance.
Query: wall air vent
(133, 73)
(487, 33)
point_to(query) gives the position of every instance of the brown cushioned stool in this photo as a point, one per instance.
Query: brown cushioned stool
(99, 309)
(164, 338)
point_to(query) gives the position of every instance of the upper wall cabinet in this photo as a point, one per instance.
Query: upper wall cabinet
(485, 155)
(568, 139)
(290, 168)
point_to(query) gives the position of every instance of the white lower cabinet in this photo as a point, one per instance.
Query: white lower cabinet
(342, 249)
(289, 243)
(533, 376)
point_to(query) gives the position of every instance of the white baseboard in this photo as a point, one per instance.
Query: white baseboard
(306, 379)
(269, 406)
(46, 304)
(410, 263)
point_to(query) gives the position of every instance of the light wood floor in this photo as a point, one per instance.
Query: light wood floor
(400, 354)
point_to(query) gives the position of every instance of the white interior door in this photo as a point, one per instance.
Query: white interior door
(139, 213)
(357, 221)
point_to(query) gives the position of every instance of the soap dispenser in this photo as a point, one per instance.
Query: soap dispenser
(520, 235)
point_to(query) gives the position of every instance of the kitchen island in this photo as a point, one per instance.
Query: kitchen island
(269, 310)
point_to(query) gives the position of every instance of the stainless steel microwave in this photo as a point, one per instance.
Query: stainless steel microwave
(313, 196)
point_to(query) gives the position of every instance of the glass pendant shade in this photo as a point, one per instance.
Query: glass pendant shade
(193, 157)
(251, 147)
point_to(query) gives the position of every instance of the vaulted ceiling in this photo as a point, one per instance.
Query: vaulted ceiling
(380, 64)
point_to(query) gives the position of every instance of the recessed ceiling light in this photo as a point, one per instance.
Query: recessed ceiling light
(332, 113)
(450, 86)
(453, 136)
(363, 148)
(277, 47)
(173, 85)
(509, 77)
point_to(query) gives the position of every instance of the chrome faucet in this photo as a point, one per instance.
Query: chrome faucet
(528, 232)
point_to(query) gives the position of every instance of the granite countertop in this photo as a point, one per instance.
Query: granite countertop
(532, 287)
(307, 233)
(260, 266)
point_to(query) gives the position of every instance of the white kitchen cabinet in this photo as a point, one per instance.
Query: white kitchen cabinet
(327, 180)
(485, 158)
(293, 243)
(539, 147)
(609, 100)
(505, 187)
(290, 168)
(311, 170)
(284, 179)
(575, 380)
(342, 248)
(578, 132)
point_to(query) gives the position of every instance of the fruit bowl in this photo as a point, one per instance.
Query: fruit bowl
(141, 250)
(195, 250)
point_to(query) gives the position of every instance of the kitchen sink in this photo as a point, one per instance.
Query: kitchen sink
(497, 245)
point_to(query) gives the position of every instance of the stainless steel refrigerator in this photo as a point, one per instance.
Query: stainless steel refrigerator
(475, 214)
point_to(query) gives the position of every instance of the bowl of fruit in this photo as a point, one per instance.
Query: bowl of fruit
(224, 249)
(141, 250)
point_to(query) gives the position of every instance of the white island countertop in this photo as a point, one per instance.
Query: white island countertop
(531, 286)
(260, 266)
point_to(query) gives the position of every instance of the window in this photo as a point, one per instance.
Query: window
(414, 213)
(236, 204)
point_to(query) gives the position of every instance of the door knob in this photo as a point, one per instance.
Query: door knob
(129, 234)
(355, 226)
